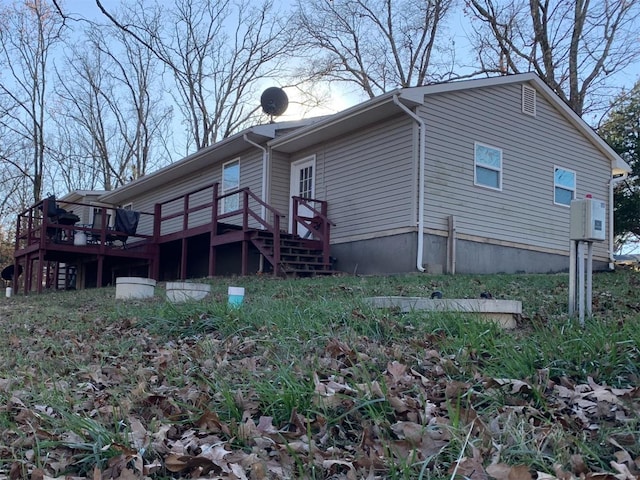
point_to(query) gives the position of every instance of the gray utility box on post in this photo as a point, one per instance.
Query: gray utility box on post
(588, 220)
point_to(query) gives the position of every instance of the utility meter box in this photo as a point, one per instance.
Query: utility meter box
(588, 220)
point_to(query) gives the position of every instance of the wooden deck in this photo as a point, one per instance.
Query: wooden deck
(188, 237)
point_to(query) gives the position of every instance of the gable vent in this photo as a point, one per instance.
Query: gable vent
(529, 100)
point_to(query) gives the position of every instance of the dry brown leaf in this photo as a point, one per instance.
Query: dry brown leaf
(37, 474)
(398, 372)
(470, 467)
(623, 471)
(502, 471)
(410, 431)
(517, 386)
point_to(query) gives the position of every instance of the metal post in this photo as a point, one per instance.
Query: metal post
(572, 278)
(589, 279)
(581, 282)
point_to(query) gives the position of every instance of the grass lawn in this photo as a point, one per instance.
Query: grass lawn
(307, 381)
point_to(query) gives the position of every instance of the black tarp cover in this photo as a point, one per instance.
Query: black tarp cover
(126, 221)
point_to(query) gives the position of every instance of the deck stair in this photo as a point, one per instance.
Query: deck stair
(298, 256)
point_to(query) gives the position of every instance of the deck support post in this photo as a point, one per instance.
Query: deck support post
(28, 269)
(214, 230)
(276, 245)
(183, 259)
(40, 273)
(212, 261)
(100, 269)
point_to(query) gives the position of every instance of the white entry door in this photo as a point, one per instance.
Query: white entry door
(303, 173)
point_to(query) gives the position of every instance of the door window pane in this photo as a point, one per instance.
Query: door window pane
(305, 185)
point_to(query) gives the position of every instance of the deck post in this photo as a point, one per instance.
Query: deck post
(16, 263)
(183, 244)
(185, 209)
(100, 269)
(154, 263)
(294, 214)
(276, 245)
(214, 231)
(40, 273)
(245, 228)
(157, 220)
(183, 258)
(27, 273)
(245, 257)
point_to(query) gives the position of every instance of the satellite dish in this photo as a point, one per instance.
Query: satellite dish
(274, 101)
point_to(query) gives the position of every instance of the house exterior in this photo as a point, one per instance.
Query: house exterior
(473, 176)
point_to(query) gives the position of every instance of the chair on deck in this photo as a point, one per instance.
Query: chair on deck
(93, 236)
(58, 215)
(126, 224)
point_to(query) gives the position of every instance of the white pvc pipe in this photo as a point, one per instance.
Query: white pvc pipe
(421, 181)
(612, 183)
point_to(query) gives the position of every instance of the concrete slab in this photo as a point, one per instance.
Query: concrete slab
(499, 311)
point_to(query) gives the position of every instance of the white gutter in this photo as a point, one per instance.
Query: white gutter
(265, 158)
(612, 184)
(421, 180)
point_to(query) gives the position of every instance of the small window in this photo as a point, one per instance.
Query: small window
(564, 186)
(529, 100)
(127, 206)
(488, 166)
(230, 182)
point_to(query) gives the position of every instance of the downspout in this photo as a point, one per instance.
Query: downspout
(265, 158)
(612, 184)
(421, 180)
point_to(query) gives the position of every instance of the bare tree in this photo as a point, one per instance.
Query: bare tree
(15, 181)
(220, 55)
(377, 45)
(111, 109)
(574, 46)
(30, 31)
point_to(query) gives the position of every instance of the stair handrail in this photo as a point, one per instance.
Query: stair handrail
(319, 225)
(273, 228)
(246, 212)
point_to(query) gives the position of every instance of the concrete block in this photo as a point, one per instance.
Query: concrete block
(499, 311)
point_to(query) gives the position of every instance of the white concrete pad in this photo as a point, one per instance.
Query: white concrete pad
(500, 311)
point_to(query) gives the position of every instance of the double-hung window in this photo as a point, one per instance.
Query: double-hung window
(564, 186)
(488, 166)
(230, 182)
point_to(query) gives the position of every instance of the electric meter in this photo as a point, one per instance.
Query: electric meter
(588, 220)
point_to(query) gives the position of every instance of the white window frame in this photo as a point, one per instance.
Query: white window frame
(231, 202)
(564, 187)
(127, 206)
(477, 165)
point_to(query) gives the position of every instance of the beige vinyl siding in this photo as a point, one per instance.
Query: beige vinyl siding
(367, 179)
(524, 211)
(250, 176)
(280, 185)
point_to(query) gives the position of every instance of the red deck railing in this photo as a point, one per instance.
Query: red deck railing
(35, 228)
(313, 217)
(195, 212)
(245, 218)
